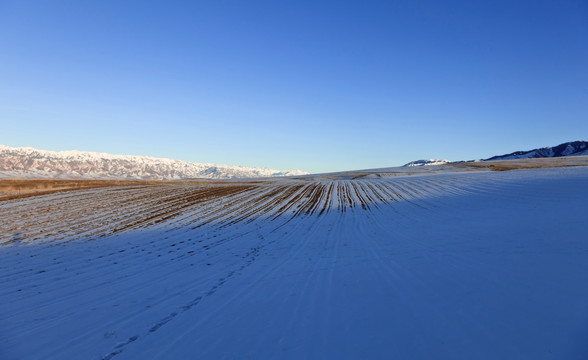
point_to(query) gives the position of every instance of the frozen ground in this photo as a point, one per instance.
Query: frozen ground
(490, 265)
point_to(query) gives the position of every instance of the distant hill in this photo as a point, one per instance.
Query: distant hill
(26, 162)
(573, 148)
(426, 162)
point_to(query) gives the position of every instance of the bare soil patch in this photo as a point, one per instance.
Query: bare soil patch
(20, 188)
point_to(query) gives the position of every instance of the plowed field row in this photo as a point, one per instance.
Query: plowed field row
(103, 211)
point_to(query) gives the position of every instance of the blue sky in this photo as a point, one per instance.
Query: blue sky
(318, 86)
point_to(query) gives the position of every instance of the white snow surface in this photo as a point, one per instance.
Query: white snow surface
(478, 265)
(27, 162)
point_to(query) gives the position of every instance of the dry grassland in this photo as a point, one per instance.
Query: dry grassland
(518, 164)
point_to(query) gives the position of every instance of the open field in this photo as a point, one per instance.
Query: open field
(97, 208)
(538, 163)
(105, 210)
(21, 188)
(453, 262)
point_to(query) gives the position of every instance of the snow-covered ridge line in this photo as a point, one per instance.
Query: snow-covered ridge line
(426, 162)
(31, 162)
(573, 148)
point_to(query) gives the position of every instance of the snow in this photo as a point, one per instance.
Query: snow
(27, 162)
(573, 148)
(568, 150)
(428, 162)
(477, 265)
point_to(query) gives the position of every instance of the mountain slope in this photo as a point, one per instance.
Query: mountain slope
(574, 148)
(29, 162)
(426, 162)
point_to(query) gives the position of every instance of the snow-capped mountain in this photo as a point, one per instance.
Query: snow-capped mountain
(573, 148)
(26, 162)
(426, 162)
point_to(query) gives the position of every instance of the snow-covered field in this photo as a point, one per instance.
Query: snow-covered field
(470, 265)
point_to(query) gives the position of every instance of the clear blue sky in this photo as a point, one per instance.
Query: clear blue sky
(313, 85)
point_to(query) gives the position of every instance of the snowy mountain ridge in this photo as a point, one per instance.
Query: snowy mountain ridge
(426, 162)
(572, 148)
(29, 162)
